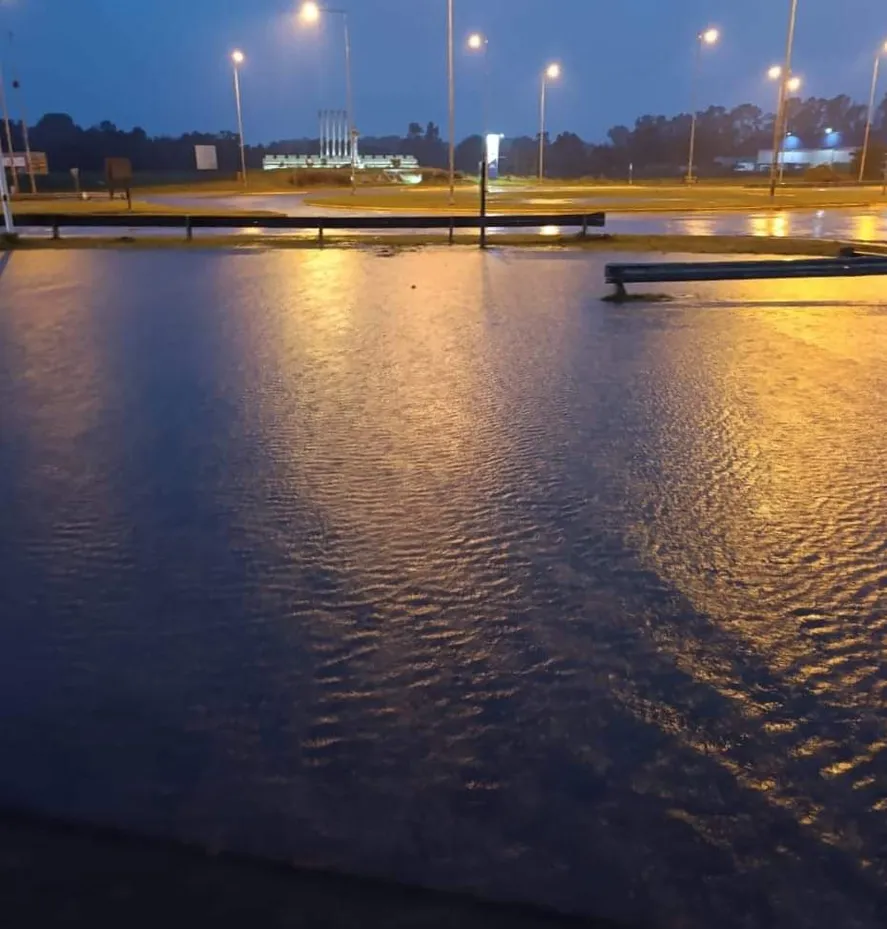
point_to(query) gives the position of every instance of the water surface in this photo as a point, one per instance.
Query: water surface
(430, 564)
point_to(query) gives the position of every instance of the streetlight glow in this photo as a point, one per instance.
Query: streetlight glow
(775, 73)
(237, 56)
(710, 36)
(310, 12)
(476, 41)
(553, 72)
(793, 84)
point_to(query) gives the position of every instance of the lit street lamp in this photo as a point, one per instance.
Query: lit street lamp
(477, 42)
(237, 60)
(708, 37)
(791, 86)
(311, 13)
(551, 73)
(785, 72)
(882, 50)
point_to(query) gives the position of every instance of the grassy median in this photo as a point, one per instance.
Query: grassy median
(579, 198)
(662, 244)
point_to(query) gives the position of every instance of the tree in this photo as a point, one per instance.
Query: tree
(469, 154)
(567, 156)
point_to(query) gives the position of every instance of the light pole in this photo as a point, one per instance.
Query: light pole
(779, 123)
(786, 87)
(451, 99)
(3, 108)
(480, 43)
(551, 73)
(311, 13)
(4, 196)
(882, 50)
(707, 37)
(237, 60)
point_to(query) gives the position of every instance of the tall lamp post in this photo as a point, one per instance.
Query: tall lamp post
(451, 98)
(311, 13)
(480, 43)
(237, 59)
(779, 123)
(707, 37)
(551, 73)
(786, 87)
(4, 197)
(5, 113)
(882, 50)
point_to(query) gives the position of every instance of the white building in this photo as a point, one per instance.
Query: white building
(807, 157)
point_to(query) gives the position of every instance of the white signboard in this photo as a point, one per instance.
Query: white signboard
(205, 156)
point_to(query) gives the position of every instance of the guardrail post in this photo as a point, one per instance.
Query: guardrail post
(584, 226)
(483, 200)
(55, 228)
(452, 230)
(189, 234)
(320, 234)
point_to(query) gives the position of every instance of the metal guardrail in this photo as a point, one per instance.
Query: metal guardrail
(852, 265)
(188, 223)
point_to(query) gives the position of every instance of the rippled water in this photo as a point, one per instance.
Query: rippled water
(434, 566)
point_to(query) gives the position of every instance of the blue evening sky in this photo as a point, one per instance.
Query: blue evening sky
(164, 65)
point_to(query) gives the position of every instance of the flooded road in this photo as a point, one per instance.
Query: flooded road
(429, 564)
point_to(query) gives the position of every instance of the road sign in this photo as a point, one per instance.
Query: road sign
(206, 158)
(19, 161)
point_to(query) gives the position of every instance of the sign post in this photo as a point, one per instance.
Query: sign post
(118, 175)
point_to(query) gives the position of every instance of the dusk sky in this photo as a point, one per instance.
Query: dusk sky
(164, 64)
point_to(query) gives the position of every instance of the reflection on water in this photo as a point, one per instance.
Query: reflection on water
(432, 565)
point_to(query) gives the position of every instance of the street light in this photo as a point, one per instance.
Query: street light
(310, 13)
(4, 196)
(785, 72)
(451, 99)
(708, 36)
(551, 73)
(5, 113)
(237, 60)
(882, 50)
(791, 86)
(477, 42)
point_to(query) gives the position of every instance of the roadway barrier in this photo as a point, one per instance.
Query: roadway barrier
(380, 221)
(850, 265)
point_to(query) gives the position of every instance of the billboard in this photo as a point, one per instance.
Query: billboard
(206, 158)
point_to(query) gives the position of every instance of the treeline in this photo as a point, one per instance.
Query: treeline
(653, 146)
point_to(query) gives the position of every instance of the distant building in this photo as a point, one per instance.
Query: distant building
(807, 157)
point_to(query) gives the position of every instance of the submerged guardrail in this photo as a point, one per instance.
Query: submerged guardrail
(850, 265)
